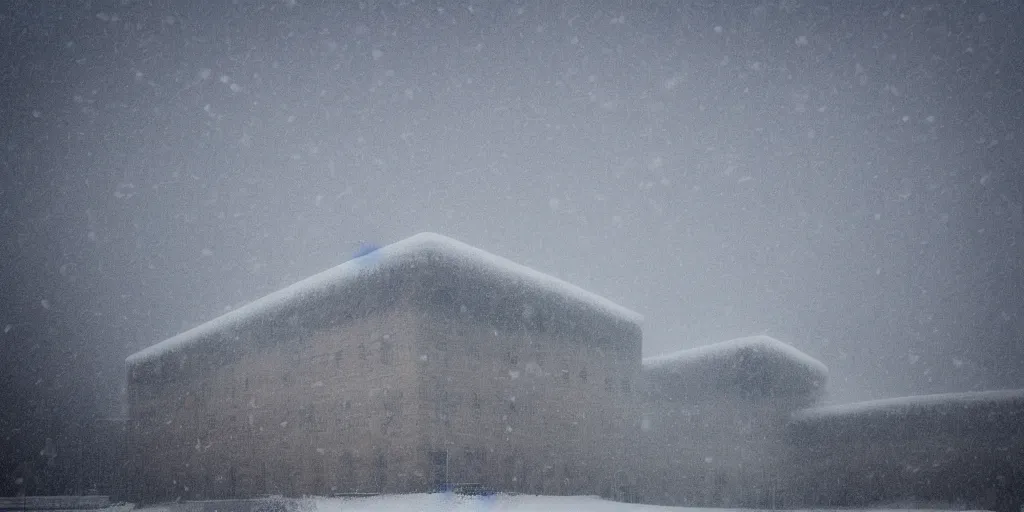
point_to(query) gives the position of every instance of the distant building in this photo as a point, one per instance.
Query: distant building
(714, 417)
(422, 363)
(965, 449)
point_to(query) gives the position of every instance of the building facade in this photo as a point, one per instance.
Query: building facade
(714, 421)
(429, 362)
(426, 362)
(965, 449)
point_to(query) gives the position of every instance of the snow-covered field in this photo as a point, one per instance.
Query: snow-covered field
(456, 503)
(501, 502)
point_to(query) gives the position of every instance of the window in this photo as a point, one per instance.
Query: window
(380, 471)
(438, 467)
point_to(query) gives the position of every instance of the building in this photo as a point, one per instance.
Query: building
(963, 448)
(422, 363)
(714, 419)
(429, 362)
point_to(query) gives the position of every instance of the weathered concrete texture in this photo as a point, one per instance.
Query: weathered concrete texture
(414, 371)
(712, 432)
(961, 448)
(530, 411)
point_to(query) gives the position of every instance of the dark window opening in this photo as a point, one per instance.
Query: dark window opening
(438, 467)
(380, 470)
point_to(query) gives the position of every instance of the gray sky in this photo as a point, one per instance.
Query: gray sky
(843, 177)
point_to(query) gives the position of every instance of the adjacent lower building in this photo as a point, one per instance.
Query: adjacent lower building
(965, 449)
(714, 419)
(423, 363)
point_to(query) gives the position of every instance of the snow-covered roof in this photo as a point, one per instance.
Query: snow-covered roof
(758, 365)
(925, 431)
(919, 404)
(391, 256)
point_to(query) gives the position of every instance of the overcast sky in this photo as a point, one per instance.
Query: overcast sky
(843, 177)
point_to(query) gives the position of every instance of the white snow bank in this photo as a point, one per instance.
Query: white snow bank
(500, 502)
(391, 255)
(497, 503)
(913, 404)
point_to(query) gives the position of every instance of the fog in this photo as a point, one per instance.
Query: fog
(842, 176)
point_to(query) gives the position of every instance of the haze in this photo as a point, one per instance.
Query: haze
(842, 176)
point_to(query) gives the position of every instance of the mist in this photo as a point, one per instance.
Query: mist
(843, 177)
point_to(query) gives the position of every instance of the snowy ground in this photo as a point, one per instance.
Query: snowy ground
(503, 503)
(451, 502)
(517, 503)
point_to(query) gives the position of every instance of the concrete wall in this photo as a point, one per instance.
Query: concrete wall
(719, 451)
(531, 411)
(378, 385)
(967, 451)
(714, 419)
(332, 411)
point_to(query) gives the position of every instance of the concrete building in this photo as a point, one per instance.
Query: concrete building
(429, 362)
(965, 449)
(714, 419)
(424, 362)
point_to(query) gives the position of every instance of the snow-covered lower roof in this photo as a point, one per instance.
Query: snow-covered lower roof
(390, 256)
(925, 430)
(917, 404)
(759, 365)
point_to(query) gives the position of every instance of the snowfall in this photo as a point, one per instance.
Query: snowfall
(501, 502)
